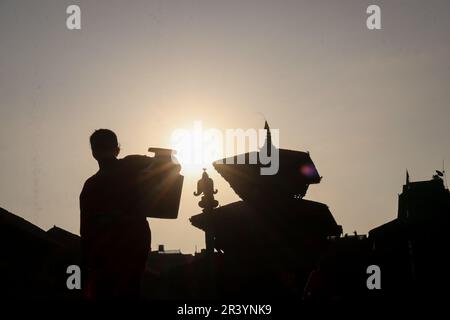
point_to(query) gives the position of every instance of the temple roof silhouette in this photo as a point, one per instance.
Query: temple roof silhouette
(303, 218)
(296, 172)
(63, 237)
(272, 216)
(15, 227)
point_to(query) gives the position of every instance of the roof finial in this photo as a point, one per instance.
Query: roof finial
(268, 138)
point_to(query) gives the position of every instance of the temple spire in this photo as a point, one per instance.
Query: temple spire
(268, 143)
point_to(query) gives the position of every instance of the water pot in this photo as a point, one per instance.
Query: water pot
(160, 186)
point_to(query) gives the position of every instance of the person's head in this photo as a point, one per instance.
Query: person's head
(104, 145)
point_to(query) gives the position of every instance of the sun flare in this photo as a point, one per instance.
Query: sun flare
(195, 151)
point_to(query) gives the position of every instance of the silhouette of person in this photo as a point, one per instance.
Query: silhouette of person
(115, 235)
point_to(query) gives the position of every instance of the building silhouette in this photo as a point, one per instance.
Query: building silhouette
(272, 238)
(34, 262)
(412, 249)
(272, 244)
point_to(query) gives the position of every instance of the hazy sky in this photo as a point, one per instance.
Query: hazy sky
(366, 104)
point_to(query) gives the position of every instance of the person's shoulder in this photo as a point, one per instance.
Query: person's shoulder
(89, 181)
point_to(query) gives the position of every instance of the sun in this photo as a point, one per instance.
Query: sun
(195, 150)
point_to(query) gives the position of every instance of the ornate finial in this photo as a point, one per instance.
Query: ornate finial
(205, 186)
(268, 144)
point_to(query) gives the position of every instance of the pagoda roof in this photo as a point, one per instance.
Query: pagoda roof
(296, 171)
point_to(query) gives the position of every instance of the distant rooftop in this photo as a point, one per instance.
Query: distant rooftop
(178, 251)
